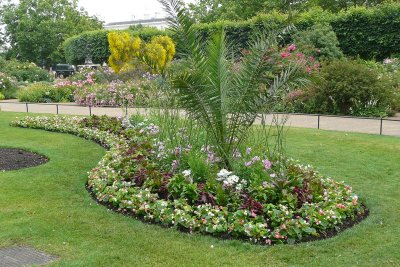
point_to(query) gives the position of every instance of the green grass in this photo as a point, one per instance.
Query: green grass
(47, 207)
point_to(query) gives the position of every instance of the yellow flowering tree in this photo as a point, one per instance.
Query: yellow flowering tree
(123, 48)
(127, 51)
(159, 52)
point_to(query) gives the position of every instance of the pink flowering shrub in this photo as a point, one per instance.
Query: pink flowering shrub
(113, 94)
(291, 55)
(263, 199)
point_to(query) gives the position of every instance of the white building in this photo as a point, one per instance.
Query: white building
(159, 23)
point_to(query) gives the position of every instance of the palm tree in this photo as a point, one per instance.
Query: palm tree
(217, 90)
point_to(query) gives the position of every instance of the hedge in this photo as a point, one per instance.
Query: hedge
(365, 32)
(369, 33)
(95, 43)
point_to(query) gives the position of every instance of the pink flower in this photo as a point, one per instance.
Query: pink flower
(292, 47)
(248, 164)
(341, 206)
(285, 54)
(277, 235)
(267, 164)
(253, 214)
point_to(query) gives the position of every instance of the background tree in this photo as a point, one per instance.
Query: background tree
(214, 10)
(36, 29)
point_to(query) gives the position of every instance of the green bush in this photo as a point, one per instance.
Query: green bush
(319, 41)
(42, 92)
(367, 32)
(350, 87)
(8, 86)
(24, 71)
(93, 43)
(2, 97)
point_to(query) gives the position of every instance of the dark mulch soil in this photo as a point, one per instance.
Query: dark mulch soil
(346, 224)
(15, 159)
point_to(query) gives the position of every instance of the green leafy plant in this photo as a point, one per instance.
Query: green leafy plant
(8, 85)
(350, 87)
(319, 41)
(218, 92)
(42, 92)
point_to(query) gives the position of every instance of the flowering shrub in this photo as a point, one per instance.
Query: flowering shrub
(140, 92)
(263, 200)
(319, 41)
(24, 71)
(99, 75)
(291, 55)
(43, 92)
(115, 93)
(8, 85)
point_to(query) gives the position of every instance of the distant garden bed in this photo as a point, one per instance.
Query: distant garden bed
(264, 200)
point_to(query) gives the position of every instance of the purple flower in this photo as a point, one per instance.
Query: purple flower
(248, 164)
(267, 164)
(175, 164)
(211, 157)
(237, 154)
(248, 150)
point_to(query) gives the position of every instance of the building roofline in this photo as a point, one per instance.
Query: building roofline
(136, 21)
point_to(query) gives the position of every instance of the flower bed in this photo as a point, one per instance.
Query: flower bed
(265, 201)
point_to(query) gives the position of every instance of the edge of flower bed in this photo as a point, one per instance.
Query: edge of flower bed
(330, 233)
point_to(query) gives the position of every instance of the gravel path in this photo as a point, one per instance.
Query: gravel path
(346, 124)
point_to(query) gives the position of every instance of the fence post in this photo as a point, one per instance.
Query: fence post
(26, 104)
(90, 110)
(381, 129)
(319, 118)
(57, 108)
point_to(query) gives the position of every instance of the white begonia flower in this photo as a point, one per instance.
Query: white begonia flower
(223, 174)
(187, 173)
(234, 178)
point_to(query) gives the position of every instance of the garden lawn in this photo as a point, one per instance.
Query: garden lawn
(47, 207)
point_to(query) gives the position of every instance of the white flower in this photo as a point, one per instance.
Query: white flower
(187, 173)
(223, 174)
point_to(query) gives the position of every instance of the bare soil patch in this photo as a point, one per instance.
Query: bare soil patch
(15, 159)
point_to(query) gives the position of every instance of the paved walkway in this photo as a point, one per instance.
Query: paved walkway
(23, 256)
(390, 126)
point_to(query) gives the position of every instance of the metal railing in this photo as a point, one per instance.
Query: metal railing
(90, 112)
(380, 119)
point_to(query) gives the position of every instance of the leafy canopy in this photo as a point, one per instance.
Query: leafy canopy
(214, 10)
(35, 29)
